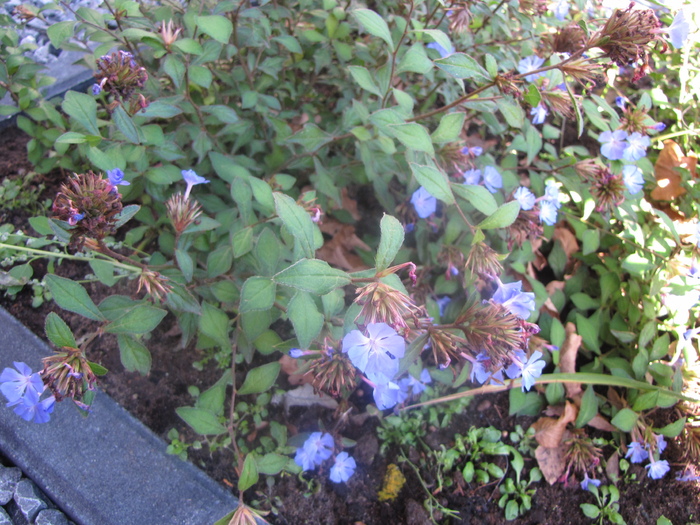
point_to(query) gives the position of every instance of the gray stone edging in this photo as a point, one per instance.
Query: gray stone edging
(108, 468)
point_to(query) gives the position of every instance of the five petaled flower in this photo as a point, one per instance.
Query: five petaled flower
(633, 179)
(116, 177)
(613, 143)
(492, 179)
(15, 384)
(192, 179)
(343, 468)
(528, 64)
(657, 469)
(525, 198)
(529, 370)
(636, 148)
(539, 114)
(424, 203)
(636, 452)
(316, 449)
(377, 356)
(514, 299)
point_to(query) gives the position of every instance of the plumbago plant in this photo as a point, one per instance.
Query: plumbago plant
(523, 229)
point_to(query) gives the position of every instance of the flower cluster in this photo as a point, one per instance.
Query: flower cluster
(619, 145)
(547, 206)
(91, 205)
(318, 448)
(23, 390)
(120, 75)
(68, 375)
(640, 451)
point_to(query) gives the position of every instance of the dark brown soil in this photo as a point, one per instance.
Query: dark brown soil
(154, 398)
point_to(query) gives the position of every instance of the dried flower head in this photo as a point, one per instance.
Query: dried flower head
(182, 211)
(581, 454)
(168, 33)
(26, 13)
(534, 7)
(583, 71)
(484, 261)
(90, 204)
(459, 16)
(383, 304)
(155, 284)
(333, 373)
(68, 374)
(120, 75)
(634, 120)
(527, 227)
(607, 188)
(567, 39)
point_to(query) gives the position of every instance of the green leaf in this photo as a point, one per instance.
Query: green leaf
(185, 263)
(297, 221)
(249, 474)
(415, 60)
(588, 409)
(462, 66)
(577, 110)
(590, 510)
(312, 275)
(71, 137)
(201, 76)
(218, 27)
(532, 96)
(364, 79)
(305, 318)
(449, 128)
(672, 430)
(589, 333)
(414, 136)
(219, 261)
(125, 125)
(524, 403)
(242, 242)
(141, 319)
(374, 25)
(98, 370)
(271, 463)
(625, 419)
(126, 214)
(175, 69)
(258, 293)
(104, 271)
(291, 43)
(477, 196)
(435, 181)
(83, 109)
(202, 421)
(502, 217)
(591, 241)
(59, 32)
(58, 331)
(134, 355)
(225, 114)
(260, 379)
(392, 235)
(310, 137)
(189, 46)
(214, 323)
(439, 37)
(71, 296)
(182, 300)
(511, 111)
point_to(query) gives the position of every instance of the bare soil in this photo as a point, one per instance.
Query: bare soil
(154, 398)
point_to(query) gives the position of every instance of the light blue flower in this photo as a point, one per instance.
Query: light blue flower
(388, 395)
(413, 386)
(317, 448)
(443, 52)
(472, 177)
(548, 213)
(116, 177)
(539, 114)
(31, 408)
(613, 143)
(75, 218)
(679, 30)
(377, 356)
(657, 469)
(636, 148)
(296, 353)
(192, 179)
(525, 198)
(528, 64)
(660, 442)
(561, 9)
(424, 203)
(620, 103)
(96, 89)
(636, 452)
(514, 299)
(552, 193)
(492, 179)
(529, 370)
(343, 468)
(589, 481)
(474, 151)
(659, 126)
(14, 384)
(481, 370)
(633, 179)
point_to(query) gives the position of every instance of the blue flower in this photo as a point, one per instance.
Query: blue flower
(377, 356)
(14, 384)
(481, 370)
(613, 143)
(416, 386)
(96, 89)
(658, 469)
(660, 442)
(424, 203)
(343, 468)
(192, 179)
(514, 299)
(633, 179)
(388, 395)
(116, 177)
(620, 103)
(442, 303)
(539, 114)
(589, 481)
(316, 449)
(529, 64)
(75, 218)
(443, 52)
(659, 126)
(552, 193)
(525, 198)
(561, 9)
(296, 353)
(492, 179)
(31, 408)
(472, 176)
(548, 213)
(473, 151)
(529, 370)
(636, 452)
(679, 30)
(637, 145)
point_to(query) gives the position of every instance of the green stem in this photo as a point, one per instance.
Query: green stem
(587, 378)
(44, 253)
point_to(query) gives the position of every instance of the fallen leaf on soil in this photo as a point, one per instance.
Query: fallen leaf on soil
(551, 462)
(612, 466)
(349, 205)
(567, 359)
(548, 305)
(568, 241)
(304, 396)
(338, 250)
(549, 431)
(601, 423)
(668, 180)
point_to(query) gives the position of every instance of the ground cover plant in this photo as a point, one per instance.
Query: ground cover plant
(380, 211)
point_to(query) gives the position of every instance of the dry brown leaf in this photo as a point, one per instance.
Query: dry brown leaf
(601, 423)
(549, 431)
(337, 251)
(668, 180)
(567, 359)
(612, 466)
(349, 205)
(552, 462)
(548, 305)
(567, 239)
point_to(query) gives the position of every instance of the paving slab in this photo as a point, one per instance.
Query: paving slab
(107, 468)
